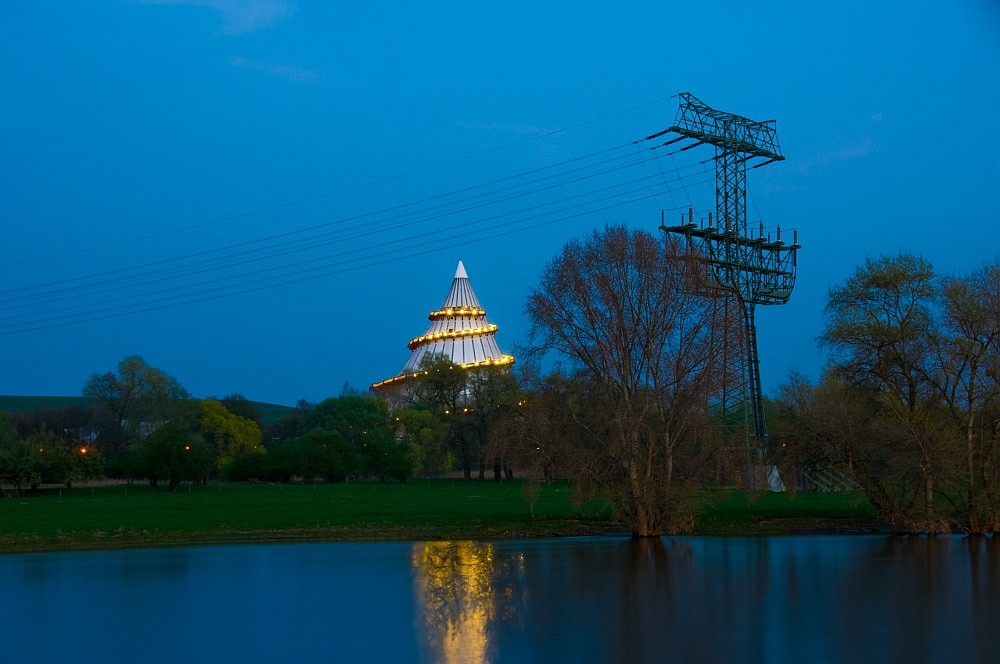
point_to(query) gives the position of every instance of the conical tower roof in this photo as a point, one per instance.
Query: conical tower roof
(458, 331)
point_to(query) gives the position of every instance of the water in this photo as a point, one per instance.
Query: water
(773, 599)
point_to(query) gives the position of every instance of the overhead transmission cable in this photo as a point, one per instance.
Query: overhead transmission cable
(115, 279)
(357, 217)
(156, 266)
(380, 247)
(158, 305)
(343, 190)
(340, 232)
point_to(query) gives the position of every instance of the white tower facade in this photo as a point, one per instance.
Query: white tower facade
(458, 332)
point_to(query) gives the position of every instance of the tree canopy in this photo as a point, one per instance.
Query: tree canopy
(134, 399)
(909, 407)
(628, 315)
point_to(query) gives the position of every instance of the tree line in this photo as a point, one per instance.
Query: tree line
(908, 407)
(633, 334)
(142, 425)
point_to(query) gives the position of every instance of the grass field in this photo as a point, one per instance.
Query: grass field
(119, 516)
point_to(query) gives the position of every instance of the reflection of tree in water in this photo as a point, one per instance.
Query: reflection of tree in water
(465, 590)
(940, 599)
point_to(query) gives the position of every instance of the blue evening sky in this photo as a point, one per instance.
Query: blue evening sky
(269, 197)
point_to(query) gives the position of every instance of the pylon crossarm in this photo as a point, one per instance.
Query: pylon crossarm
(729, 131)
(745, 270)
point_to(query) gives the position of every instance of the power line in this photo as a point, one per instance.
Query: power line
(299, 231)
(21, 297)
(159, 305)
(437, 222)
(337, 192)
(377, 249)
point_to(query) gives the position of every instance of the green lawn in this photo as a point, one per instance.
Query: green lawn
(737, 512)
(120, 516)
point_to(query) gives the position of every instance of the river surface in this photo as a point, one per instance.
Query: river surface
(606, 599)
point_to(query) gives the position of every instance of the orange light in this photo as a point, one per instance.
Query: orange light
(502, 361)
(83, 450)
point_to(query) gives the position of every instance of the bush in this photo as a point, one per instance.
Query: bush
(247, 466)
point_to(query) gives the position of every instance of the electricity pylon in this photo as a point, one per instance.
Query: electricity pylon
(747, 270)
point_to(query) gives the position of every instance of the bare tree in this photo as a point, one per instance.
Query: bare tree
(534, 436)
(840, 433)
(627, 315)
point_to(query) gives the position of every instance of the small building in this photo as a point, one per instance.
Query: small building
(459, 332)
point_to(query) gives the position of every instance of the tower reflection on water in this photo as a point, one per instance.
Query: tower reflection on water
(464, 591)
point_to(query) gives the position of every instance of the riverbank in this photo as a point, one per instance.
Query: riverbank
(120, 516)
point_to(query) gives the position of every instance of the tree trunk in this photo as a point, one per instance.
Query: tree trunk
(466, 461)
(929, 493)
(972, 516)
(641, 525)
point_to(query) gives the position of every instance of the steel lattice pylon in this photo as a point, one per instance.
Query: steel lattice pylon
(748, 270)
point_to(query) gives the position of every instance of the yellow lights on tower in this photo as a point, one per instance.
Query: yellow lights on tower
(459, 332)
(451, 312)
(452, 334)
(503, 360)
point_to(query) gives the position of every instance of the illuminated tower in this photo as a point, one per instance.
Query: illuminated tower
(459, 332)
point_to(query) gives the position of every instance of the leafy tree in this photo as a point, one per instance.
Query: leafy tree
(969, 381)
(341, 458)
(318, 454)
(133, 400)
(469, 401)
(625, 313)
(343, 436)
(492, 393)
(441, 387)
(228, 435)
(362, 423)
(173, 454)
(7, 433)
(385, 458)
(424, 435)
(301, 457)
(880, 329)
(46, 457)
(354, 417)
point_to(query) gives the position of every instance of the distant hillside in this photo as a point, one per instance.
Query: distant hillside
(272, 412)
(16, 404)
(269, 412)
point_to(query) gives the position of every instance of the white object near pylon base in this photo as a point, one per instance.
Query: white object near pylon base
(459, 332)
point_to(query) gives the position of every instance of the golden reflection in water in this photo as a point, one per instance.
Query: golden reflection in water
(463, 590)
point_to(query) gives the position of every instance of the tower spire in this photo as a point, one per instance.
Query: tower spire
(458, 332)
